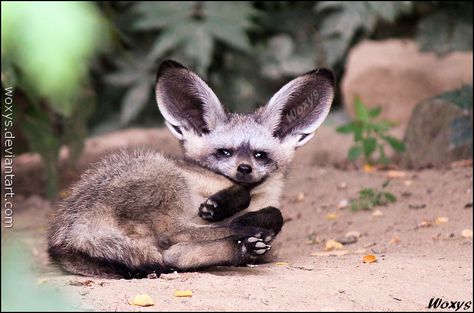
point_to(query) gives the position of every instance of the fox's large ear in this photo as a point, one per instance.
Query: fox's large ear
(186, 101)
(299, 107)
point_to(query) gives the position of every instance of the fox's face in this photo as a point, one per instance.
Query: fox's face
(246, 148)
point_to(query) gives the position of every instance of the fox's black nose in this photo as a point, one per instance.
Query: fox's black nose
(244, 169)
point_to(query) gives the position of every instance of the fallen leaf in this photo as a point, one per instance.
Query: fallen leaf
(183, 293)
(141, 300)
(377, 213)
(300, 197)
(370, 258)
(441, 220)
(282, 263)
(333, 245)
(425, 224)
(467, 233)
(396, 174)
(368, 168)
(370, 244)
(331, 216)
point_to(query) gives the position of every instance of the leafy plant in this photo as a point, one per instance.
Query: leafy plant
(344, 21)
(188, 31)
(46, 51)
(370, 135)
(370, 197)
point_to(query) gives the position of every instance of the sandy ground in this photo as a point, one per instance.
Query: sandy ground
(417, 259)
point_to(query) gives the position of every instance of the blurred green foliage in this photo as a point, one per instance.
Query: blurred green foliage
(46, 52)
(370, 135)
(51, 43)
(245, 50)
(371, 197)
(20, 288)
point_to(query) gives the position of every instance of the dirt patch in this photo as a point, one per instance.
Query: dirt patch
(417, 258)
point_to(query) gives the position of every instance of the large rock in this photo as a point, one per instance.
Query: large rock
(439, 133)
(394, 74)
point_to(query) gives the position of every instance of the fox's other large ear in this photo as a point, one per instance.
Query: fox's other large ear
(299, 107)
(186, 101)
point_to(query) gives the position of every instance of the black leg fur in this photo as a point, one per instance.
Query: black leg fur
(269, 218)
(225, 203)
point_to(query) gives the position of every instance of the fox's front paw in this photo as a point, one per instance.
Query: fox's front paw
(255, 246)
(208, 210)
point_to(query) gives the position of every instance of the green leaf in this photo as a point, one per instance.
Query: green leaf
(343, 21)
(354, 152)
(346, 128)
(191, 29)
(396, 144)
(369, 144)
(358, 131)
(367, 193)
(168, 39)
(155, 15)
(382, 127)
(390, 197)
(361, 111)
(199, 46)
(375, 112)
(382, 158)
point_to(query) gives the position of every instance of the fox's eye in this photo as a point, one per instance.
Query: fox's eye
(225, 152)
(260, 155)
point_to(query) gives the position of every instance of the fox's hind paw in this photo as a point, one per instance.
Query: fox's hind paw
(254, 246)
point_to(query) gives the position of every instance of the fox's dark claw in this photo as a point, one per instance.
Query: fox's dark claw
(207, 210)
(254, 246)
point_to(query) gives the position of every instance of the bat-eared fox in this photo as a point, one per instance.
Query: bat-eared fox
(137, 213)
